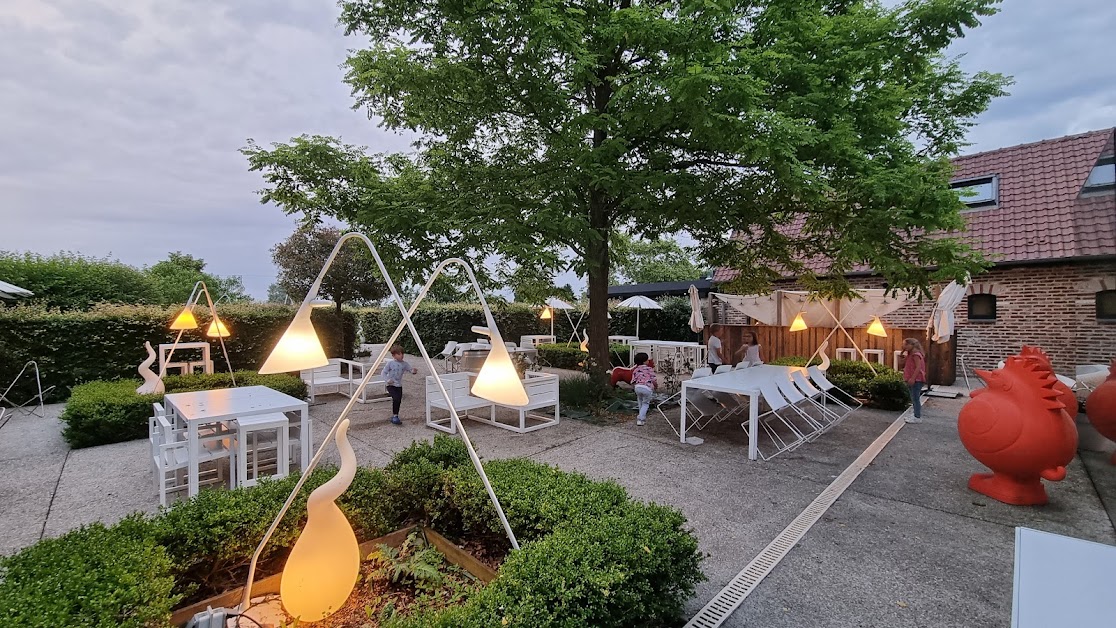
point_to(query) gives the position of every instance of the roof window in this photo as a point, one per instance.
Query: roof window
(978, 193)
(1103, 176)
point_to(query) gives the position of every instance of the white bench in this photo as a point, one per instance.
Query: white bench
(542, 392)
(331, 379)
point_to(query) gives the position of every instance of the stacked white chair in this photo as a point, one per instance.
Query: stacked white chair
(447, 353)
(818, 398)
(830, 389)
(802, 406)
(724, 368)
(171, 458)
(249, 428)
(777, 407)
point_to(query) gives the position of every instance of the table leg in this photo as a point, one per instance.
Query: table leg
(192, 468)
(753, 426)
(307, 438)
(682, 419)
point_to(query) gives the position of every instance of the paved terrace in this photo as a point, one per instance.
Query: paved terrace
(907, 545)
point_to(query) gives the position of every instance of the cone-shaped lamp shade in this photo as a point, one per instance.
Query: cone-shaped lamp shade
(498, 381)
(546, 315)
(184, 320)
(217, 329)
(298, 349)
(877, 328)
(325, 563)
(799, 324)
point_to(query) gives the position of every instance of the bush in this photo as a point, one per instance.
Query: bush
(885, 390)
(106, 343)
(92, 576)
(561, 356)
(591, 555)
(582, 391)
(99, 413)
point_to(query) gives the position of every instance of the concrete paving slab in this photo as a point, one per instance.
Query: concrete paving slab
(1103, 476)
(26, 488)
(32, 436)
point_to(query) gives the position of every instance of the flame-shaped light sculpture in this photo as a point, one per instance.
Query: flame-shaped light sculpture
(324, 565)
(799, 323)
(184, 320)
(584, 346)
(217, 329)
(876, 328)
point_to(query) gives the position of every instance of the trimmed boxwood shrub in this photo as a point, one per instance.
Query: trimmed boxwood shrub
(563, 356)
(99, 413)
(590, 555)
(885, 390)
(106, 342)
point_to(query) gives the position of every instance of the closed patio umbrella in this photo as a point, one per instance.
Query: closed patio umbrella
(697, 321)
(640, 303)
(941, 320)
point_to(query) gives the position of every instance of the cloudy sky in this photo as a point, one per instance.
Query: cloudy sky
(122, 119)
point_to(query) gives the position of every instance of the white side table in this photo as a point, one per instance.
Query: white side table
(874, 354)
(846, 354)
(1061, 581)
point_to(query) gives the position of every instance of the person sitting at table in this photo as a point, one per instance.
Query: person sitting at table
(751, 350)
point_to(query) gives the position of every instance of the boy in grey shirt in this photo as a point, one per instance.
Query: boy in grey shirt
(393, 373)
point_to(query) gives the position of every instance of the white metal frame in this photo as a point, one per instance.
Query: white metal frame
(166, 350)
(38, 395)
(407, 323)
(542, 392)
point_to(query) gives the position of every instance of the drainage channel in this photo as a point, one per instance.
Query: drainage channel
(723, 604)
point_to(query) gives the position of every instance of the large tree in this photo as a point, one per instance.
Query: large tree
(175, 277)
(809, 127)
(353, 276)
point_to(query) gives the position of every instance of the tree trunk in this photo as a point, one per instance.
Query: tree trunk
(597, 252)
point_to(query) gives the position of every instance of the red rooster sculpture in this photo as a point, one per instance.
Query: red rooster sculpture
(1018, 427)
(1065, 393)
(1100, 407)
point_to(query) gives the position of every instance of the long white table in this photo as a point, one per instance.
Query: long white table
(744, 382)
(657, 349)
(1061, 581)
(206, 407)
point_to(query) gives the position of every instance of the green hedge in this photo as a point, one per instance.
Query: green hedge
(99, 412)
(590, 554)
(563, 356)
(106, 342)
(885, 390)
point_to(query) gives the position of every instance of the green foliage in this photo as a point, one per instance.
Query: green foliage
(106, 342)
(174, 279)
(414, 562)
(885, 390)
(652, 261)
(69, 281)
(563, 356)
(93, 576)
(101, 412)
(353, 276)
(583, 392)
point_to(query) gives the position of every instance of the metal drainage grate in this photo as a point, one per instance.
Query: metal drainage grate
(729, 598)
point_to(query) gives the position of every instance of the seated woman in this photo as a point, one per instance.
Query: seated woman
(751, 351)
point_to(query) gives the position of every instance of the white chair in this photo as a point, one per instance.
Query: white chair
(1089, 376)
(329, 379)
(775, 402)
(704, 371)
(828, 387)
(818, 397)
(700, 410)
(250, 427)
(800, 403)
(724, 368)
(511, 345)
(742, 365)
(171, 460)
(447, 353)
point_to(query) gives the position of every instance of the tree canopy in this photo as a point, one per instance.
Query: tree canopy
(353, 276)
(810, 128)
(652, 261)
(174, 279)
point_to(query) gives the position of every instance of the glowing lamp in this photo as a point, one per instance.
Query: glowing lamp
(325, 563)
(877, 328)
(498, 381)
(184, 320)
(217, 329)
(799, 324)
(546, 314)
(298, 349)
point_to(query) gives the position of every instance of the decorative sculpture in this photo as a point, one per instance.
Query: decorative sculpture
(1100, 407)
(1065, 393)
(824, 366)
(152, 383)
(325, 563)
(1018, 427)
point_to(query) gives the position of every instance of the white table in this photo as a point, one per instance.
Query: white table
(744, 382)
(657, 349)
(206, 407)
(534, 340)
(1061, 581)
(623, 340)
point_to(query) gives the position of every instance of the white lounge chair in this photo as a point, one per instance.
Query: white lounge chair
(829, 388)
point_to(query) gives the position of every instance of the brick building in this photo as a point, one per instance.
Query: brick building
(1045, 214)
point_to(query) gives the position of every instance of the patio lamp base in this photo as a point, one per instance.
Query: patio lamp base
(1009, 489)
(210, 618)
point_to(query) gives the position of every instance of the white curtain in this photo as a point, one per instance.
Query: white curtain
(855, 312)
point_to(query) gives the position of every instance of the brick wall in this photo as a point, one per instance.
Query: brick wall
(1052, 306)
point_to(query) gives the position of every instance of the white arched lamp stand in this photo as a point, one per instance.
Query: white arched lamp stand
(185, 320)
(300, 348)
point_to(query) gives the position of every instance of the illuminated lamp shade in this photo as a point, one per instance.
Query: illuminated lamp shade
(799, 324)
(184, 320)
(298, 349)
(217, 329)
(498, 381)
(877, 328)
(325, 563)
(546, 315)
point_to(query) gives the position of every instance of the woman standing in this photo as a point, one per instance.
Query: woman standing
(914, 372)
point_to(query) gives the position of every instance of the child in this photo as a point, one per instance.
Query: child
(393, 376)
(713, 348)
(645, 383)
(914, 372)
(751, 350)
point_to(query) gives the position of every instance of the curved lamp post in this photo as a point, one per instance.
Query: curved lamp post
(185, 320)
(300, 348)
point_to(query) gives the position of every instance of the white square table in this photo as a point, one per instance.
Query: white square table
(1061, 582)
(532, 341)
(744, 382)
(206, 407)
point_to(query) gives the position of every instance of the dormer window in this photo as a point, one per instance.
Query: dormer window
(1103, 176)
(978, 193)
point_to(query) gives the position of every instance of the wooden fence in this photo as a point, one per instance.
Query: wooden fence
(778, 342)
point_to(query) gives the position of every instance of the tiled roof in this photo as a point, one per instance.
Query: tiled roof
(1040, 214)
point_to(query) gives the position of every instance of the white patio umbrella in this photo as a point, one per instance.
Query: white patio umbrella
(554, 303)
(9, 291)
(941, 320)
(697, 321)
(640, 303)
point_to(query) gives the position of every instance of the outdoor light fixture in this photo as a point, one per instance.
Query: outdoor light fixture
(876, 328)
(304, 589)
(799, 324)
(217, 329)
(186, 320)
(546, 315)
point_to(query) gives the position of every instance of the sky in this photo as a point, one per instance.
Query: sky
(122, 121)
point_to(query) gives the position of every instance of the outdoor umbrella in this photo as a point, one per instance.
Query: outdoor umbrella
(697, 321)
(554, 303)
(8, 291)
(640, 303)
(941, 320)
